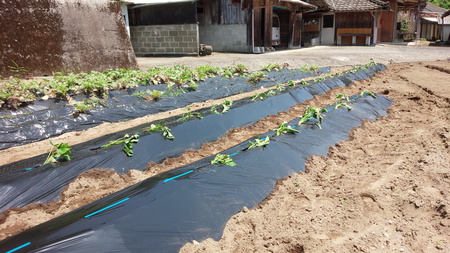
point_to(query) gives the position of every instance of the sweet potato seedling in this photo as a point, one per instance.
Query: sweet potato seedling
(279, 87)
(340, 104)
(368, 93)
(262, 96)
(128, 142)
(168, 134)
(312, 112)
(284, 128)
(187, 115)
(255, 77)
(223, 159)
(58, 151)
(343, 96)
(226, 105)
(161, 128)
(259, 143)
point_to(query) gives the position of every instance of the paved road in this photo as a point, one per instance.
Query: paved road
(319, 55)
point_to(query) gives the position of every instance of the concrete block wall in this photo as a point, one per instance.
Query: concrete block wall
(165, 39)
(225, 38)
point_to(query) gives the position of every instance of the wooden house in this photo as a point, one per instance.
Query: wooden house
(178, 27)
(247, 25)
(433, 25)
(163, 27)
(354, 22)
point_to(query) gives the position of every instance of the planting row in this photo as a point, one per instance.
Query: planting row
(16, 93)
(194, 202)
(176, 87)
(28, 181)
(43, 119)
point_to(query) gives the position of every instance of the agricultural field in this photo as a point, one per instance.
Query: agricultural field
(382, 186)
(387, 189)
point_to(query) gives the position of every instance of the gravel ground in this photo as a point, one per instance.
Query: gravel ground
(319, 55)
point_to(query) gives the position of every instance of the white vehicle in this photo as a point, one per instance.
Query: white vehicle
(276, 40)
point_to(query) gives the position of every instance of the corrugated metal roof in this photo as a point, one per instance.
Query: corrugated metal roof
(439, 20)
(431, 19)
(298, 2)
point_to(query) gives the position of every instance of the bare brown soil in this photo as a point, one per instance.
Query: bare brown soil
(384, 190)
(387, 189)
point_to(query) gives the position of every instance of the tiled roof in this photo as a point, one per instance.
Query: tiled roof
(350, 5)
(433, 8)
(446, 14)
(357, 5)
(321, 4)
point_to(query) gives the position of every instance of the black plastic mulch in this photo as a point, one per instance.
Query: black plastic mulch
(26, 182)
(195, 201)
(44, 119)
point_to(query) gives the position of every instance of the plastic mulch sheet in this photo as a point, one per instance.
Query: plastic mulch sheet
(43, 119)
(193, 202)
(24, 182)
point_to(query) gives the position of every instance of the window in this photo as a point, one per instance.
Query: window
(328, 21)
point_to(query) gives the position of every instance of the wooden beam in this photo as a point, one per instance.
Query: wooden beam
(257, 23)
(268, 12)
(291, 29)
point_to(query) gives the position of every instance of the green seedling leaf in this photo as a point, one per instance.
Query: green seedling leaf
(368, 93)
(272, 66)
(226, 105)
(167, 134)
(279, 87)
(190, 114)
(284, 128)
(255, 76)
(161, 128)
(259, 143)
(313, 112)
(223, 159)
(263, 96)
(318, 79)
(270, 93)
(116, 142)
(260, 96)
(291, 83)
(128, 146)
(58, 151)
(198, 115)
(343, 96)
(156, 128)
(128, 143)
(340, 104)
